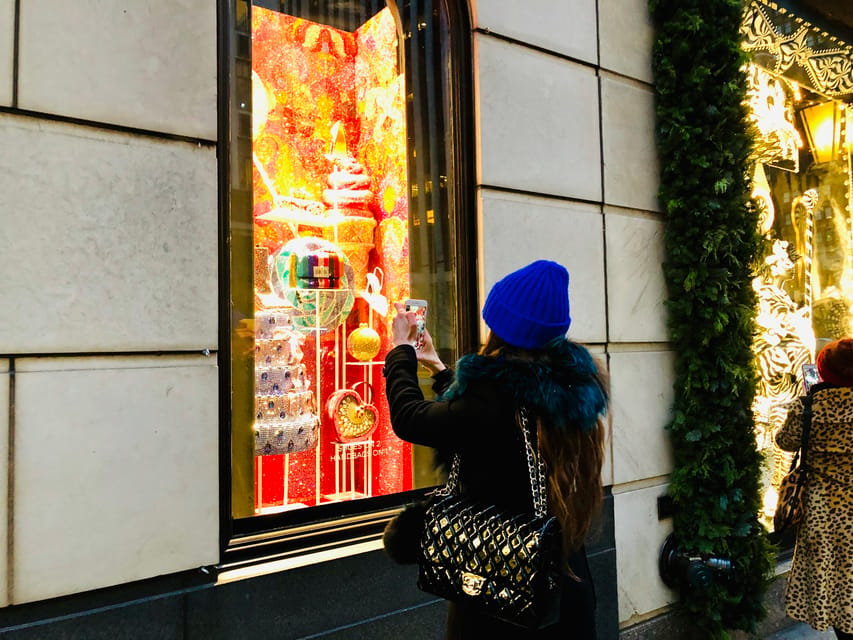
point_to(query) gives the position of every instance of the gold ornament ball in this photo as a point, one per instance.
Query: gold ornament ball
(364, 343)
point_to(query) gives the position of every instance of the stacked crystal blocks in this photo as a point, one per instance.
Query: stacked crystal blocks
(286, 420)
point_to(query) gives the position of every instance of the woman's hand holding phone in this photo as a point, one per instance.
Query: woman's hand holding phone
(404, 326)
(419, 308)
(407, 328)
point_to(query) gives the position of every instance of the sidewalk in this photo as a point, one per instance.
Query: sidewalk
(801, 631)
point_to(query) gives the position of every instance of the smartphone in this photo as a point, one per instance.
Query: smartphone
(420, 309)
(810, 376)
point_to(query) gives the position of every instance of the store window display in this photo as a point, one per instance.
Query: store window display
(351, 210)
(800, 82)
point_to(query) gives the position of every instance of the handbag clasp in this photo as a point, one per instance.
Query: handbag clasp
(472, 584)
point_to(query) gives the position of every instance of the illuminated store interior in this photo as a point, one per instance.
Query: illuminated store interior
(800, 82)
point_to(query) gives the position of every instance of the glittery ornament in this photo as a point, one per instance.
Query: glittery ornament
(364, 343)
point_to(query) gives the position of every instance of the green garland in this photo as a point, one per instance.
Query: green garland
(712, 244)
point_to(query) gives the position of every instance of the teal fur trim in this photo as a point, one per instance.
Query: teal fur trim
(561, 386)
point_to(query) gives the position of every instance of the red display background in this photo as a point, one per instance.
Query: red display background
(314, 76)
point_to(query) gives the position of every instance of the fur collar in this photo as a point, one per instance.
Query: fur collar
(559, 386)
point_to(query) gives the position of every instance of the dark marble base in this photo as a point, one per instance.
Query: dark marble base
(362, 596)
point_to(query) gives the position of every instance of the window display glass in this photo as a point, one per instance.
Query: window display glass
(802, 184)
(351, 211)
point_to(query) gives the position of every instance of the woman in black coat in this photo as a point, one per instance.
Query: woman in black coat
(526, 362)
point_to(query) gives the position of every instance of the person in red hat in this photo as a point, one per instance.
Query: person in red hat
(527, 362)
(820, 584)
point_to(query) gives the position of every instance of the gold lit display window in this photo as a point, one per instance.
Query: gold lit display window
(800, 85)
(805, 289)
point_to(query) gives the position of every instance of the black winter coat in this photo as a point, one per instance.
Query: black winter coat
(480, 425)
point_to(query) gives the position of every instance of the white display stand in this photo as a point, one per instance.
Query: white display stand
(287, 506)
(349, 456)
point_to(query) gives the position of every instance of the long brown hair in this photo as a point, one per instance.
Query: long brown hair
(573, 459)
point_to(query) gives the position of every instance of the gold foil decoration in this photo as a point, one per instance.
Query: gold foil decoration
(338, 145)
(262, 270)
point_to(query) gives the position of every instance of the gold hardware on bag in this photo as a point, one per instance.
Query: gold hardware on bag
(472, 584)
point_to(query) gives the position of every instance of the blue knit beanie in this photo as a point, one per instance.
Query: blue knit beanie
(530, 307)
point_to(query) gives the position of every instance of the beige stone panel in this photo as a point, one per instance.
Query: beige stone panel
(116, 471)
(4, 480)
(109, 241)
(600, 354)
(7, 50)
(567, 28)
(636, 290)
(639, 538)
(631, 168)
(641, 383)
(517, 230)
(538, 123)
(627, 34)
(145, 64)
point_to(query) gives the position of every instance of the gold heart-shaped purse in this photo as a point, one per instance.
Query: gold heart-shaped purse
(354, 418)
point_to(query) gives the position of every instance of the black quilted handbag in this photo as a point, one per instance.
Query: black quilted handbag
(498, 564)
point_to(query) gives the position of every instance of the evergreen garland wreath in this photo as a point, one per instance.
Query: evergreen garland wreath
(712, 244)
